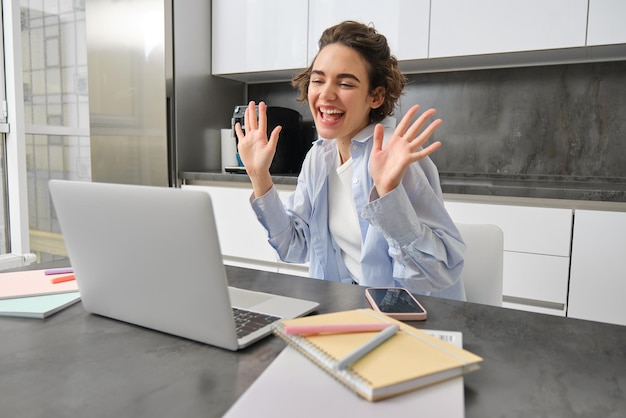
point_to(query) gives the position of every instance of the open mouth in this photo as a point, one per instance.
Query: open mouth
(330, 114)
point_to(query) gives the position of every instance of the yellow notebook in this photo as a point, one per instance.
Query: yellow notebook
(409, 360)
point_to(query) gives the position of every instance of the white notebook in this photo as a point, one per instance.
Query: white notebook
(292, 385)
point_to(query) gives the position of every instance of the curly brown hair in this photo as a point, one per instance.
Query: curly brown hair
(382, 67)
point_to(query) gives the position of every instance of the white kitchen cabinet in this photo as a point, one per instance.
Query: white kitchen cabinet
(547, 267)
(537, 277)
(598, 279)
(536, 251)
(262, 42)
(460, 27)
(405, 23)
(606, 22)
(242, 238)
(278, 35)
(529, 229)
(257, 36)
(301, 270)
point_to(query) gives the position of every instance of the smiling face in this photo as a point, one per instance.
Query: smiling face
(339, 93)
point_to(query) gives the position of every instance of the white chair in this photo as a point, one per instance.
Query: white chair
(483, 271)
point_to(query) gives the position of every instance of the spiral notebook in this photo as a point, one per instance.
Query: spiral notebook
(409, 360)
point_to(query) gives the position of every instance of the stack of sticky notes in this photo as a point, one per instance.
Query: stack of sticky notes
(37, 293)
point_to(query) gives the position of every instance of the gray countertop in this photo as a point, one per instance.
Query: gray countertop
(547, 191)
(75, 364)
(540, 187)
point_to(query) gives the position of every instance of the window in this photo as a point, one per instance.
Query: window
(56, 111)
(5, 246)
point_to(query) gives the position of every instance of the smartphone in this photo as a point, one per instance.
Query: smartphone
(395, 302)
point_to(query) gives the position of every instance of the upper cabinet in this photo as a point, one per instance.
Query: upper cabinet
(606, 22)
(460, 27)
(265, 41)
(405, 23)
(251, 36)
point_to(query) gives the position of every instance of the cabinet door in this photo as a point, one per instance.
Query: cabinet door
(526, 229)
(242, 238)
(542, 279)
(301, 270)
(460, 27)
(251, 36)
(597, 278)
(536, 251)
(405, 23)
(606, 22)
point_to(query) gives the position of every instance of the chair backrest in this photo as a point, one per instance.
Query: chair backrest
(483, 271)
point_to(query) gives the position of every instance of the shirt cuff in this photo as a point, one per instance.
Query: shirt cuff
(269, 211)
(394, 215)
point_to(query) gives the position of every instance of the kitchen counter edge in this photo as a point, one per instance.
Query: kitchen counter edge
(552, 197)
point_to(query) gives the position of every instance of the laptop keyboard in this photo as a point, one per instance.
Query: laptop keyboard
(248, 321)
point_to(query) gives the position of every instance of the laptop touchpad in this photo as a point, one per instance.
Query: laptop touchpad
(246, 299)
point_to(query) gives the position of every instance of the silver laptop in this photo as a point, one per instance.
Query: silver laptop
(150, 256)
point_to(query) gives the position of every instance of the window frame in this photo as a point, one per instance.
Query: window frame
(16, 176)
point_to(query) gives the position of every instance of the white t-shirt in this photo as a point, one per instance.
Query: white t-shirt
(343, 218)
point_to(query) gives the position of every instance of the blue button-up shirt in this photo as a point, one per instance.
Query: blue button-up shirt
(408, 238)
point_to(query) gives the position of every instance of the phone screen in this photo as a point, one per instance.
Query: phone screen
(394, 301)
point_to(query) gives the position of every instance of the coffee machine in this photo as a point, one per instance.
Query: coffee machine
(291, 147)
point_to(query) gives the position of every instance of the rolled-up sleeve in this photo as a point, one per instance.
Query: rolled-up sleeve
(425, 247)
(287, 231)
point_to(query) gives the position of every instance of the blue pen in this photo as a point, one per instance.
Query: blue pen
(366, 348)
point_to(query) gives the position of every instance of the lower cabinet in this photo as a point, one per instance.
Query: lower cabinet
(547, 268)
(597, 280)
(536, 252)
(535, 282)
(242, 238)
(294, 269)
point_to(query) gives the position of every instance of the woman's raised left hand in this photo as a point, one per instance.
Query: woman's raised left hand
(388, 163)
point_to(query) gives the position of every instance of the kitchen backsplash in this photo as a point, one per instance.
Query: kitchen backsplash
(551, 131)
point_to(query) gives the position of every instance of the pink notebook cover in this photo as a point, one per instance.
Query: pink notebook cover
(31, 283)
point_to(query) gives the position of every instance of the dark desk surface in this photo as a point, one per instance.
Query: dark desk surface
(74, 364)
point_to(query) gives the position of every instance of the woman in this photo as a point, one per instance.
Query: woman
(362, 212)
